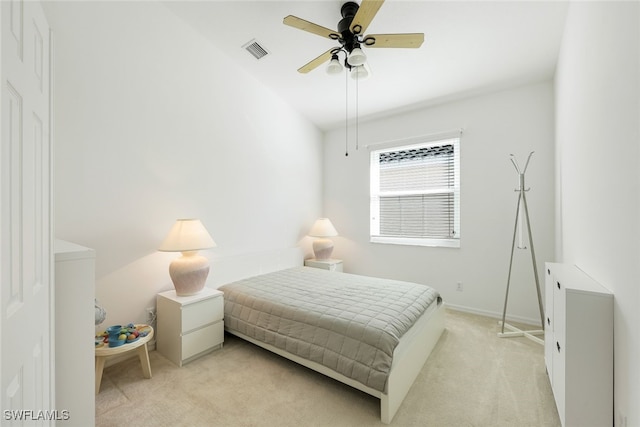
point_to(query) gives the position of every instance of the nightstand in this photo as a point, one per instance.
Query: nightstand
(189, 326)
(325, 264)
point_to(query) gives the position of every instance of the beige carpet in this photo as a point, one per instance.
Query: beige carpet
(473, 378)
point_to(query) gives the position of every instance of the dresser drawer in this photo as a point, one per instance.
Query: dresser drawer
(203, 339)
(202, 313)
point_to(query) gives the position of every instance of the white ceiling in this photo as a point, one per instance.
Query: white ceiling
(469, 47)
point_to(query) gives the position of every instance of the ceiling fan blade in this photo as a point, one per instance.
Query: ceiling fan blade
(314, 63)
(365, 14)
(408, 40)
(301, 24)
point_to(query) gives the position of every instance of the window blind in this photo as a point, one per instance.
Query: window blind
(415, 191)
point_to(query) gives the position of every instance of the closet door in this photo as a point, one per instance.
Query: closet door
(25, 215)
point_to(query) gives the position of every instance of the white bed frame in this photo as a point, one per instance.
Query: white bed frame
(408, 359)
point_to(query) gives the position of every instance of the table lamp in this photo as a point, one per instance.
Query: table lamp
(188, 272)
(322, 246)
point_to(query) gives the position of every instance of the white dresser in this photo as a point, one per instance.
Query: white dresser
(579, 346)
(75, 329)
(189, 326)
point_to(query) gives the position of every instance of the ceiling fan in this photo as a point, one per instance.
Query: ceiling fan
(355, 20)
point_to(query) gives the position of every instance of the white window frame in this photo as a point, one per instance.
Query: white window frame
(374, 221)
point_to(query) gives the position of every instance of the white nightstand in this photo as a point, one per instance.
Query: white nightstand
(189, 326)
(325, 264)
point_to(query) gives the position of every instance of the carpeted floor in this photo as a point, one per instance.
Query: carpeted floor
(472, 378)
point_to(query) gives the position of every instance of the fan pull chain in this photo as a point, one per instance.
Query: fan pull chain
(346, 113)
(357, 79)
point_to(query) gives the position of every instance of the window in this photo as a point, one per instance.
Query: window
(415, 194)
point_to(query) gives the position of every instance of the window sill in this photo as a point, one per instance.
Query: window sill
(436, 243)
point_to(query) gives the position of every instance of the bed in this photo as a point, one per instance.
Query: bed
(372, 334)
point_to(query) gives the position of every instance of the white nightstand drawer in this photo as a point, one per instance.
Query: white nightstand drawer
(203, 339)
(201, 313)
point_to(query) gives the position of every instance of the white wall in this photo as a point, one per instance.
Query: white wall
(598, 151)
(511, 121)
(153, 123)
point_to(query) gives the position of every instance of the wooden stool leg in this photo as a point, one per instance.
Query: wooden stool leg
(99, 368)
(143, 354)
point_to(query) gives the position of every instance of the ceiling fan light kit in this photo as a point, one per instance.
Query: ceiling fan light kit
(356, 57)
(334, 66)
(359, 72)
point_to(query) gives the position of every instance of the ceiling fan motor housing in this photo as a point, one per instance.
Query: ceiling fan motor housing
(349, 9)
(348, 12)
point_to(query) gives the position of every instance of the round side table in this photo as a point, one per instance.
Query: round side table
(139, 346)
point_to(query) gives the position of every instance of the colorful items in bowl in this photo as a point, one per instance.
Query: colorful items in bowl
(118, 335)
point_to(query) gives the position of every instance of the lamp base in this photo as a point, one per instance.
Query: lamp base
(322, 248)
(189, 273)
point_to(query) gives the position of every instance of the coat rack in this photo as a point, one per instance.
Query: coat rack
(517, 231)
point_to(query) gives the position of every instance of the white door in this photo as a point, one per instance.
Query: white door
(25, 215)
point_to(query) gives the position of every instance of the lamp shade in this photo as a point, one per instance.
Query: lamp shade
(187, 235)
(359, 73)
(357, 57)
(334, 66)
(323, 228)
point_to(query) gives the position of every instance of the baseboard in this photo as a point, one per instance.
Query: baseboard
(509, 318)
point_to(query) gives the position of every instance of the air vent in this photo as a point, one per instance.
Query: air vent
(255, 49)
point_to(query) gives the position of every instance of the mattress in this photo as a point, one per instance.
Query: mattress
(348, 323)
